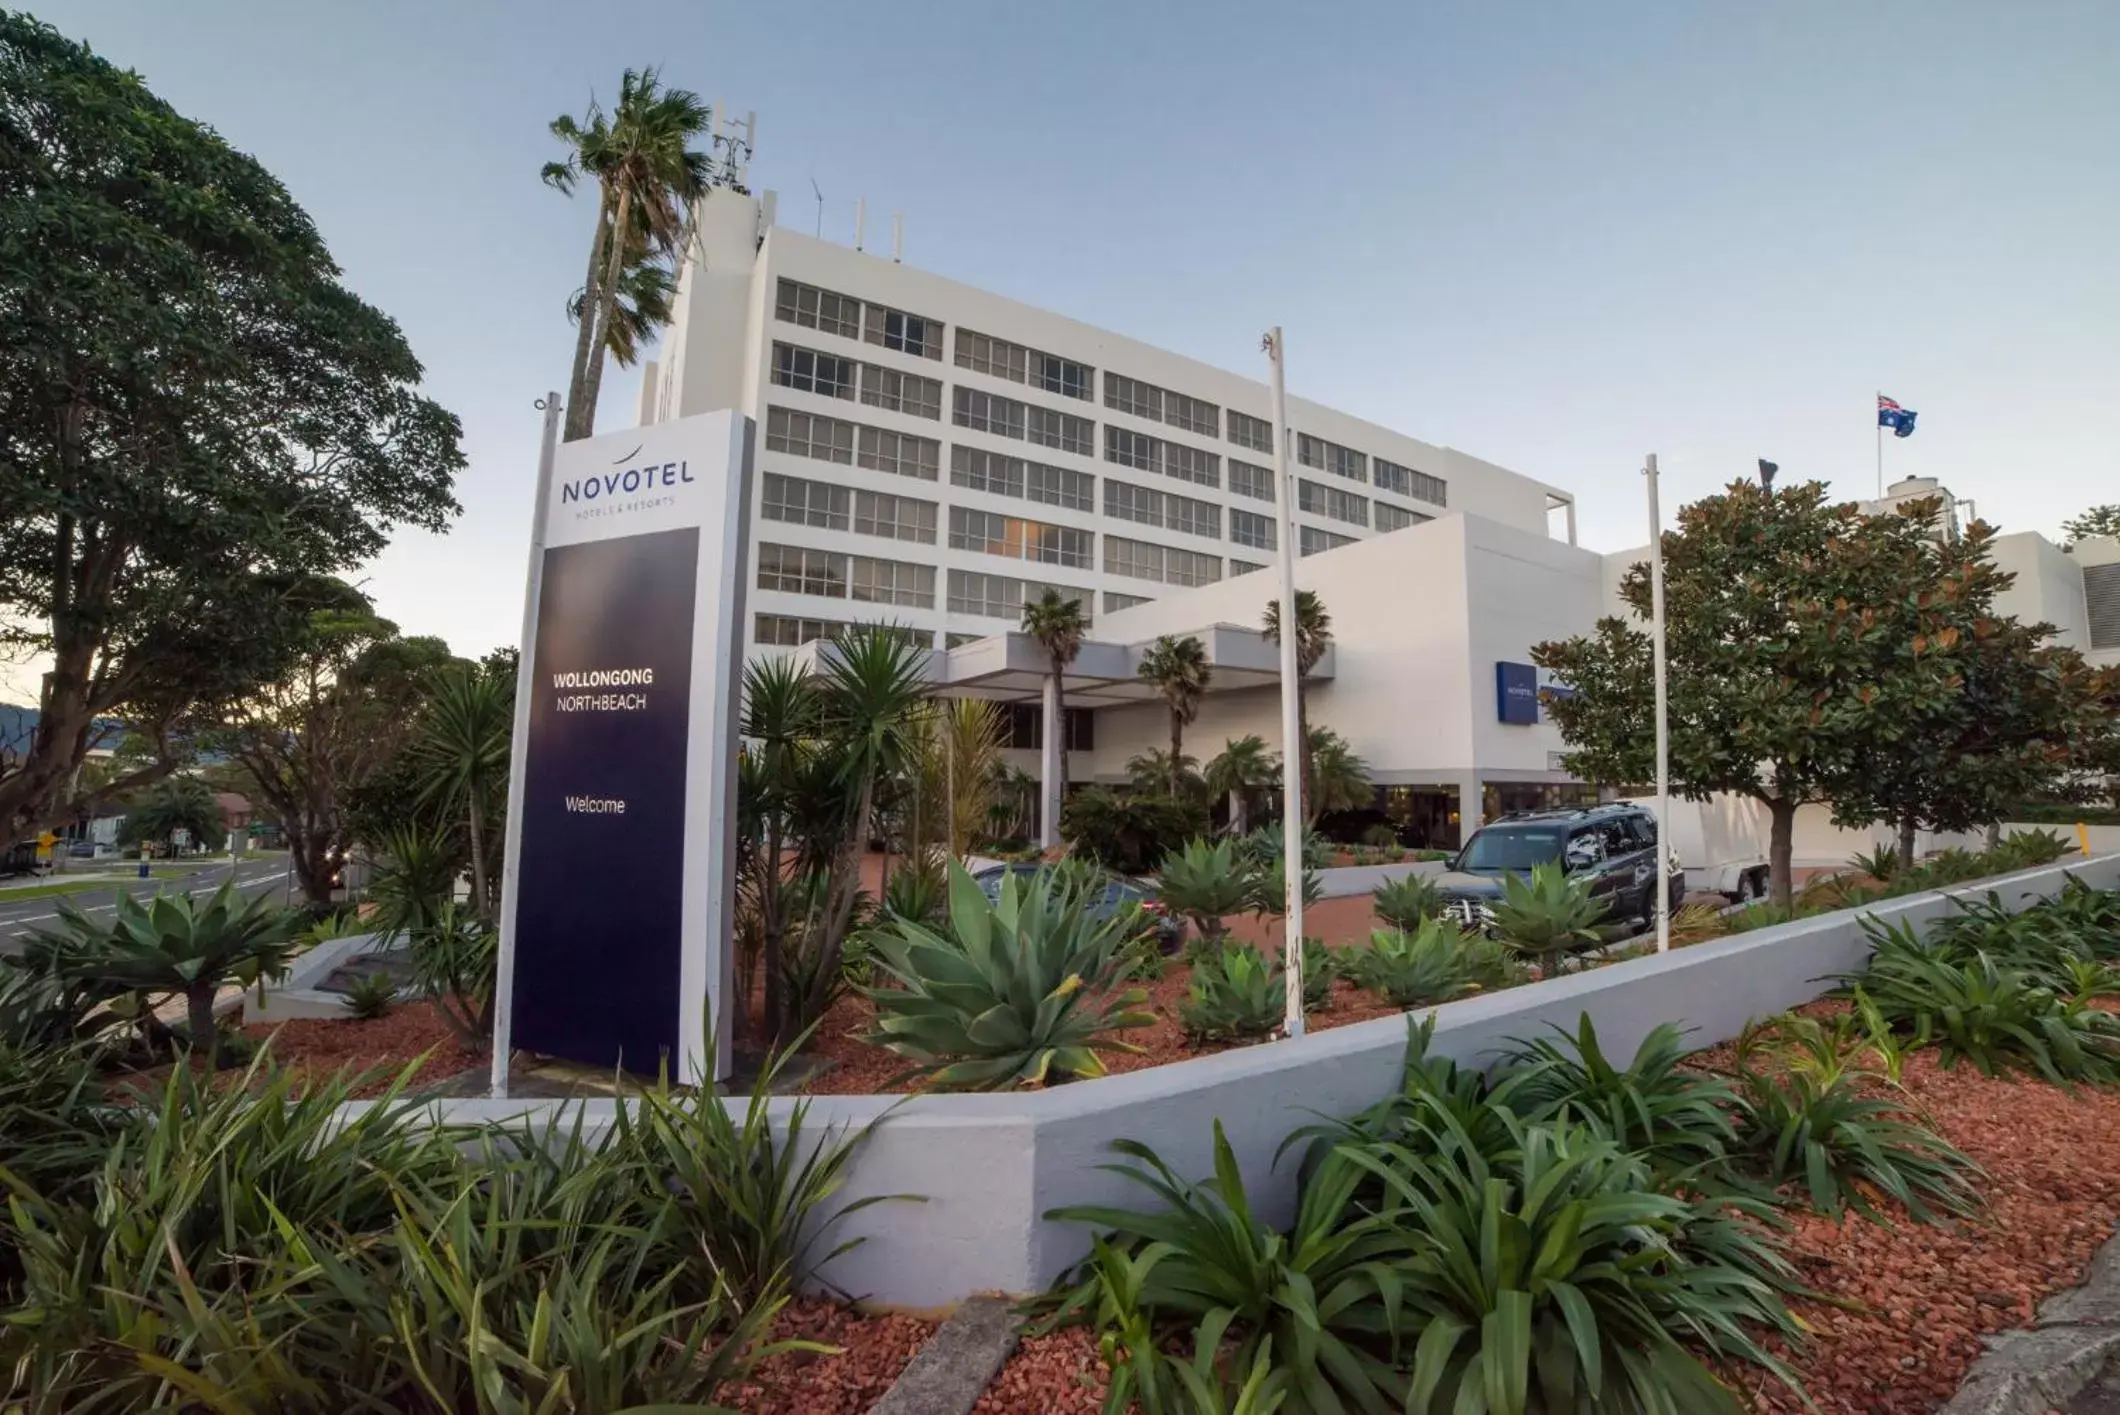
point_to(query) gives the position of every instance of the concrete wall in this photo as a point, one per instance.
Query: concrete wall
(989, 1167)
(2049, 587)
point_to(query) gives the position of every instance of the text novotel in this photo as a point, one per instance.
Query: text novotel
(630, 480)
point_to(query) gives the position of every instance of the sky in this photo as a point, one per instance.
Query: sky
(1557, 236)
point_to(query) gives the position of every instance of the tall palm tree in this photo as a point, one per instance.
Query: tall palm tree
(1059, 626)
(647, 178)
(1177, 669)
(1313, 637)
(1240, 768)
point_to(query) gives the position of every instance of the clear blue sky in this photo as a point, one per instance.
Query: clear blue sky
(1554, 235)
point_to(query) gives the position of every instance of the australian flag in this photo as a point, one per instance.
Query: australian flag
(1899, 420)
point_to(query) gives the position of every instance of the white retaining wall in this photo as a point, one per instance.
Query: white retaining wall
(990, 1166)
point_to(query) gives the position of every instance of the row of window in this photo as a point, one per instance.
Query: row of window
(989, 534)
(1153, 454)
(1022, 727)
(1003, 596)
(832, 376)
(803, 502)
(852, 444)
(833, 313)
(1162, 508)
(1027, 422)
(1142, 561)
(1331, 501)
(832, 574)
(1003, 475)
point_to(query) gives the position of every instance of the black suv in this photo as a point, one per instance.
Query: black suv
(1613, 847)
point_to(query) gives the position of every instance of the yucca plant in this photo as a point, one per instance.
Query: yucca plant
(1022, 990)
(1234, 993)
(456, 966)
(1203, 882)
(1429, 965)
(1319, 1293)
(1674, 1117)
(1880, 864)
(1547, 916)
(371, 997)
(1407, 902)
(919, 891)
(179, 945)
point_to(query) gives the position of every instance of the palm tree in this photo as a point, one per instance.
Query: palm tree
(1177, 669)
(1313, 637)
(971, 742)
(1342, 777)
(1242, 767)
(461, 753)
(1059, 626)
(1155, 772)
(647, 178)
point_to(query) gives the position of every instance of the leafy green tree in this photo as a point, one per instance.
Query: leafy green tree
(1313, 631)
(1779, 608)
(2097, 521)
(1179, 672)
(1239, 771)
(176, 803)
(197, 418)
(308, 739)
(1059, 624)
(647, 177)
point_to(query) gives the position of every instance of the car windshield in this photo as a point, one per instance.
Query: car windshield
(1512, 848)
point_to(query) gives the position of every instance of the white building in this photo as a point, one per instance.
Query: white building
(933, 455)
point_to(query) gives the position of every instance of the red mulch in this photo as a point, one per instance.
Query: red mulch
(872, 1351)
(1059, 1374)
(323, 1046)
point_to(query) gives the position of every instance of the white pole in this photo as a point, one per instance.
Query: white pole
(1292, 744)
(1663, 723)
(519, 757)
(1880, 448)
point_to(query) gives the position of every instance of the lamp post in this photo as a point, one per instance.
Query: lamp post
(1663, 722)
(1292, 744)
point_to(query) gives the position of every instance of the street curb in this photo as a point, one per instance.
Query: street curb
(949, 1374)
(2032, 1372)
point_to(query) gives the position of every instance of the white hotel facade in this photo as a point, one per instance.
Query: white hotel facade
(933, 455)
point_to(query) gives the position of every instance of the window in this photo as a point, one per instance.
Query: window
(892, 582)
(1245, 479)
(1129, 449)
(878, 513)
(1331, 501)
(1003, 596)
(901, 454)
(787, 631)
(808, 435)
(1408, 482)
(1248, 431)
(1192, 414)
(1143, 400)
(987, 412)
(1059, 486)
(1243, 567)
(908, 333)
(992, 534)
(813, 308)
(1051, 428)
(813, 372)
(958, 640)
(1162, 508)
(1249, 528)
(1310, 540)
(901, 392)
(1063, 376)
(1114, 601)
(1143, 561)
(985, 471)
(1397, 518)
(982, 353)
(793, 569)
(1183, 567)
(1331, 457)
(804, 502)
(1191, 464)
(1152, 454)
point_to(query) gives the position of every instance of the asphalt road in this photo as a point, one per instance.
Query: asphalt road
(20, 916)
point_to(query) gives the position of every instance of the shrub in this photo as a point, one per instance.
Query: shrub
(1204, 882)
(416, 875)
(1674, 1117)
(1879, 864)
(1234, 993)
(1429, 965)
(1379, 835)
(1017, 991)
(1547, 916)
(371, 997)
(2030, 848)
(1406, 902)
(1322, 967)
(1811, 1124)
(455, 965)
(917, 892)
(1129, 831)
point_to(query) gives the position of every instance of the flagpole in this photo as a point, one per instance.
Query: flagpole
(1293, 747)
(1663, 713)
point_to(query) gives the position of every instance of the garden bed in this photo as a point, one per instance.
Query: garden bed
(319, 1047)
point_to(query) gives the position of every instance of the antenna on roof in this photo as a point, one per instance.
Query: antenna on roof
(861, 219)
(897, 236)
(736, 141)
(818, 192)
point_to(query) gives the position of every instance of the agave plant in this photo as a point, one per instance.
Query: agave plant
(1407, 902)
(1429, 965)
(371, 997)
(176, 944)
(1020, 990)
(1547, 916)
(1880, 864)
(1203, 882)
(1235, 992)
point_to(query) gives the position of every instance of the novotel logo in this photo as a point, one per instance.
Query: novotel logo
(626, 481)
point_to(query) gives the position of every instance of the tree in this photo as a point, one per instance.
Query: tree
(1313, 637)
(1156, 773)
(460, 750)
(647, 178)
(197, 418)
(1178, 670)
(1341, 779)
(310, 739)
(2097, 521)
(1059, 625)
(1241, 768)
(176, 803)
(1779, 608)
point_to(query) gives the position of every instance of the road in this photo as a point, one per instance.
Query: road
(17, 918)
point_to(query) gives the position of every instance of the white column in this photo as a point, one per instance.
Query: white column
(1049, 772)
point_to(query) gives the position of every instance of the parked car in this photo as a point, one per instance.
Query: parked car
(1119, 893)
(1612, 847)
(19, 859)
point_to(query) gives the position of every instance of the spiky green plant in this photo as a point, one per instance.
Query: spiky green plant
(1203, 882)
(1322, 967)
(1880, 864)
(1675, 1117)
(1022, 990)
(1547, 916)
(1235, 992)
(371, 997)
(1420, 968)
(1407, 902)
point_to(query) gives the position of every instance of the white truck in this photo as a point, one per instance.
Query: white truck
(1722, 844)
